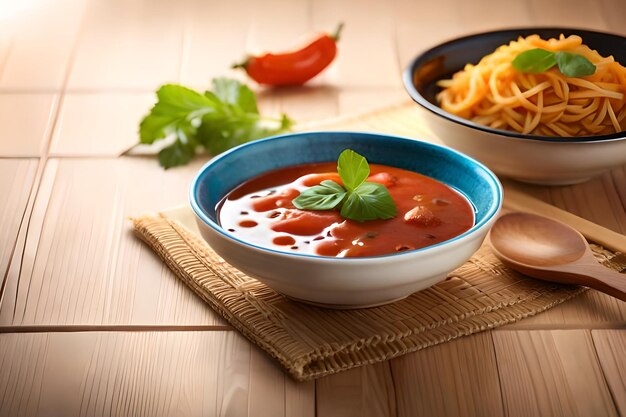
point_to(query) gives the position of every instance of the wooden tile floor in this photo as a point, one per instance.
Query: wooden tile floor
(92, 323)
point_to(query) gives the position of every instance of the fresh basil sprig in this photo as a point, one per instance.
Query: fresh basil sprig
(539, 60)
(217, 120)
(359, 200)
(534, 61)
(574, 65)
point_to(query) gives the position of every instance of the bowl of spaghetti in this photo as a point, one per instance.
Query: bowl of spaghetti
(541, 105)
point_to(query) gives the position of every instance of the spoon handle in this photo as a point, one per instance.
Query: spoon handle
(605, 280)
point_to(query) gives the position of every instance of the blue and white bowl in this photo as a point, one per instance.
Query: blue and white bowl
(345, 282)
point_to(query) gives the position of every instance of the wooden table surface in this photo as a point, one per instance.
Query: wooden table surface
(92, 323)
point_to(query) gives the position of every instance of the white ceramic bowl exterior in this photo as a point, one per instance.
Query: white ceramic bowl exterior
(347, 282)
(529, 160)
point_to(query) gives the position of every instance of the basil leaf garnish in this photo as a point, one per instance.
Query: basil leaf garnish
(353, 169)
(369, 201)
(539, 60)
(325, 196)
(359, 200)
(574, 65)
(534, 61)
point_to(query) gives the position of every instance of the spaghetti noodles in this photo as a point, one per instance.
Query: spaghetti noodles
(494, 94)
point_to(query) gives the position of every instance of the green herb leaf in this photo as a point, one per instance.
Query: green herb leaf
(216, 120)
(236, 94)
(369, 201)
(325, 196)
(217, 135)
(177, 107)
(534, 61)
(352, 168)
(359, 201)
(176, 154)
(539, 60)
(574, 65)
(263, 128)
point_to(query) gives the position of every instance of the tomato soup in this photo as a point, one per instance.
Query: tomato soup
(260, 211)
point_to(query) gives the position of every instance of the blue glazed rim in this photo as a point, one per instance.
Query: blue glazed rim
(493, 182)
(439, 50)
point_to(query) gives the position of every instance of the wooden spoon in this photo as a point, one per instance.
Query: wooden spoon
(550, 250)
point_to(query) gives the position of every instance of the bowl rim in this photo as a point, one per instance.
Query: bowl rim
(488, 217)
(407, 78)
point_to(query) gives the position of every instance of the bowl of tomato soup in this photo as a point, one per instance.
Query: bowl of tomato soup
(444, 204)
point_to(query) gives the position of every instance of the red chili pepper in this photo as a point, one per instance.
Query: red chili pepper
(293, 68)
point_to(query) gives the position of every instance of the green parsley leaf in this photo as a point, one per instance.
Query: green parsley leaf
(325, 196)
(264, 128)
(177, 108)
(352, 168)
(236, 94)
(534, 61)
(359, 200)
(176, 154)
(574, 65)
(216, 120)
(218, 134)
(369, 201)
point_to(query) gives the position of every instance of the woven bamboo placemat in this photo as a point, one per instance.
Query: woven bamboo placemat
(310, 342)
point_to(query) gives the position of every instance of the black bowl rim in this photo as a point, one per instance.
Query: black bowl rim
(407, 78)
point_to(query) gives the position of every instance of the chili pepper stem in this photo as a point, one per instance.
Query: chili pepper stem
(337, 34)
(243, 64)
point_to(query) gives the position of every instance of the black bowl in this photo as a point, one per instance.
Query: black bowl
(442, 61)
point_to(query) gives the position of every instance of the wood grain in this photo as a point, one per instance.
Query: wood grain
(267, 380)
(205, 54)
(365, 391)
(457, 378)
(481, 16)
(99, 124)
(302, 103)
(44, 34)
(21, 359)
(278, 31)
(26, 121)
(362, 100)
(143, 374)
(420, 25)
(81, 263)
(16, 180)
(582, 199)
(362, 42)
(577, 14)
(552, 373)
(78, 263)
(588, 310)
(128, 45)
(6, 43)
(610, 346)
